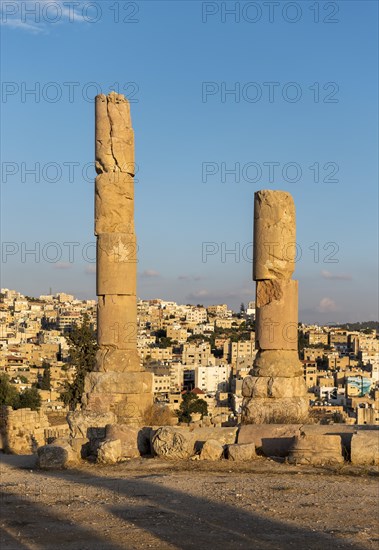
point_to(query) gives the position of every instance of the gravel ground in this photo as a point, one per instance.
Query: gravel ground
(155, 504)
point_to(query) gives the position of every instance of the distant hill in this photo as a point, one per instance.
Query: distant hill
(361, 325)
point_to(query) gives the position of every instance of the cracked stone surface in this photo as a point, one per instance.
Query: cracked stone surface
(119, 384)
(275, 389)
(274, 235)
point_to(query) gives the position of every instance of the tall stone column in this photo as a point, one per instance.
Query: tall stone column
(275, 389)
(119, 384)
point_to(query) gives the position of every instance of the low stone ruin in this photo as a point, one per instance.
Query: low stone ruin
(296, 444)
(22, 430)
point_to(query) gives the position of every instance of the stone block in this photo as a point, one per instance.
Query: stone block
(172, 443)
(118, 382)
(212, 450)
(127, 408)
(56, 456)
(274, 235)
(272, 440)
(128, 436)
(119, 113)
(241, 452)
(114, 204)
(281, 410)
(116, 264)
(109, 451)
(83, 424)
(123, 151)
(274, 363)
(80, 446)
(130, 408)
(316, 450)
(277, 315)
(273, 387)
(114, 135)
(365, 448)
(104, 157)
(225, 435)
(109, 359)
(117, 321)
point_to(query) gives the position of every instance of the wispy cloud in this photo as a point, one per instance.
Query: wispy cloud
(22, 25)
(90, 269)
(36, 16)
(326, 305)
(149, 274)
(190, 278)
(203, 293)
(336, 276)
(62, 265)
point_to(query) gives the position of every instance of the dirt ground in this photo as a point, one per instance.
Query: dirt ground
(149, 503)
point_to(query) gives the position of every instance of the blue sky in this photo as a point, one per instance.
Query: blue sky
(303, 118)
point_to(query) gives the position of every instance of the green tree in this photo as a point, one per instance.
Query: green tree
(191, 404)
(8, 394)
(45, 382)
(164, 342)
(29, 398)
(83, 347)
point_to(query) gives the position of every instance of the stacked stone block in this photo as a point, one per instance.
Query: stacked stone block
(119, 384)
(275, 390)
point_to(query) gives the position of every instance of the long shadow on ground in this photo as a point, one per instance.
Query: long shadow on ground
(186, 521)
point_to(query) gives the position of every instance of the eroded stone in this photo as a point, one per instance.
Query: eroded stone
(284, 363)
(316, 449)
(173, 443)
(117, 321)
(114, 203)
(277, 315)
(241, 452)
(111, 359)
(365, 448)
(115, 253)
(109, 451)
(274, 235)
(266, 410)
(273, 387)
(212, 450)
(56, 456)
(129, 437)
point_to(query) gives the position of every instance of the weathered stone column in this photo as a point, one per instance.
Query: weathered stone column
(119, 384)
(275, 390)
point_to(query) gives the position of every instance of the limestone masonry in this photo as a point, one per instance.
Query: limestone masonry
(118, 384)
(275, 390)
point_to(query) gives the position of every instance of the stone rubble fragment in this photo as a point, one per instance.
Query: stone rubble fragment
(57, 455)
(316, 449)
(365, 448)
(212, 450)
(109, 451)
(241, 452)
(173, 443)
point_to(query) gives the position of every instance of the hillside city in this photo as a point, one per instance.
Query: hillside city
(205, 350)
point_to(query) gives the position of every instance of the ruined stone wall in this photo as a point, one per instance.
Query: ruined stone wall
(23, 430)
